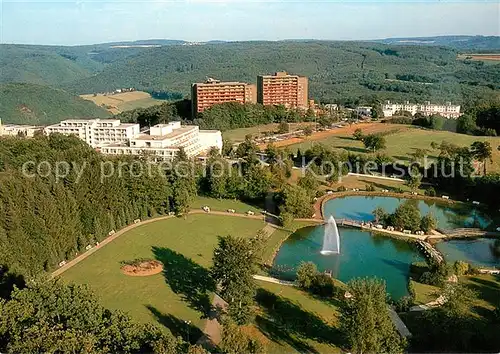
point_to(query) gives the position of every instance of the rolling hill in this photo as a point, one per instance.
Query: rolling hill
(338, 71)
(40, 105)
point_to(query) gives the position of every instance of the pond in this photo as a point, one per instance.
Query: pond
(448, 216)
(364, 254)
(480, 252)
(361, 255)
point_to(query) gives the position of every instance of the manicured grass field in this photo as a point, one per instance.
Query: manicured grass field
(403, 143)
(238, 135)
(224, 205)
(184, 245)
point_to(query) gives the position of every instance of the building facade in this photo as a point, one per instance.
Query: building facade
(205, 95)
(96, 132)
(281, 88)
(19, 130)
(447, 110)
(163, 141)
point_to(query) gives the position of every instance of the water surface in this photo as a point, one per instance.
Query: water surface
(361, 255)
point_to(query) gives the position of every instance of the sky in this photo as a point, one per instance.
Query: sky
(62, 22)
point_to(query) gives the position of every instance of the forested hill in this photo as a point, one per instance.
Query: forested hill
(465, 43)
(40, 105)
(342, 72)
(338, 71)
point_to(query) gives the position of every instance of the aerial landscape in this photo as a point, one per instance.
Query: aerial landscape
(249, 177)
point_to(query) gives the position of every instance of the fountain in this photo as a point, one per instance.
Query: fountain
(331, 240)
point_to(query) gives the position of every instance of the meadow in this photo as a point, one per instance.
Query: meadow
(178, 297)
(401, 142)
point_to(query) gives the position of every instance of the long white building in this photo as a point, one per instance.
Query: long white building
(19, 129)
(96, 132)
(163, 141)
(447, 110)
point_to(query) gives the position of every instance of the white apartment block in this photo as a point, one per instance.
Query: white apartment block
(447, 110)
(18, 129)
(163, 141)
(96, 132)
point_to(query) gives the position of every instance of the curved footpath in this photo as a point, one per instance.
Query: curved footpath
(117, 234)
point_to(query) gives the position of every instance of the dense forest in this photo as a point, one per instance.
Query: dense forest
(42, 105)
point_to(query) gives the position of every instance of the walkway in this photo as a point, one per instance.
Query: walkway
(117, 234)
(398, 323)
(273, 280)
(212, 332)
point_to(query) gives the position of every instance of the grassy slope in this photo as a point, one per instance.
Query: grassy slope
(34, 104)
(401, 144)
(185, 244)
(290, 320)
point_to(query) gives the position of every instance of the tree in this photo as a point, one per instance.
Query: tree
(235, 341)
(428, 223)
(50, 316)
(307, 131)
(294, 200)
(365, 319)
(234, 263)
(306, 273)
(466, 124)
(406, 216)
(358, 134)
(374, 142)
(414, 179)
(481, 150)
(380, 215)
(283, 127)
(309, 183)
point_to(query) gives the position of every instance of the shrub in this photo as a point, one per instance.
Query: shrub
(324, 285)
(341, 189)
(430, 192)
(306, 274)
(370, 187)
(411, 291)
(404, 304)
(461, 268)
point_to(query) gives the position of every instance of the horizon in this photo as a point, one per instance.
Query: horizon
(140, 40)
(74, 23)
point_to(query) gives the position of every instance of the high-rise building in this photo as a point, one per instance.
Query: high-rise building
(281, 88)
(205, 95)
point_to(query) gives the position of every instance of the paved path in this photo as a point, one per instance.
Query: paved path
(117, 234)
(375, 176)
(212, 330)
(273, 280)
(398, 323)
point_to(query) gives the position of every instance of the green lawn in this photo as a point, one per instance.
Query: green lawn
(238, 135)
(184, 245)
(401, 144)
(224, 205)
(424, 293)
(290, 320)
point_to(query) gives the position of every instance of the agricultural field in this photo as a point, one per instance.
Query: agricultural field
(493, 58)
(117, 103)
(401, 141)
